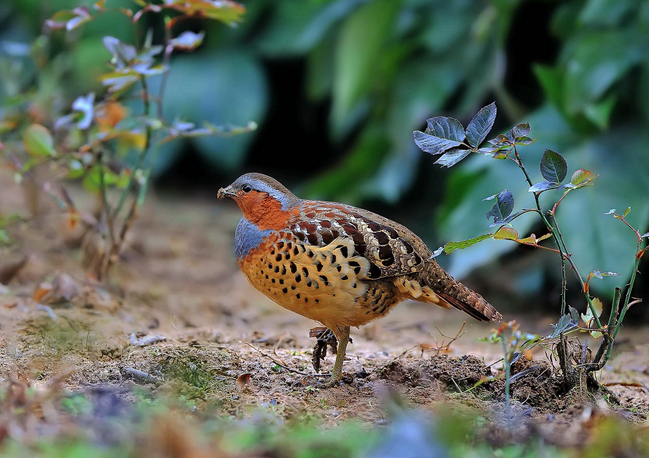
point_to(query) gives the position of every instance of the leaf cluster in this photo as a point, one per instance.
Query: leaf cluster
(105, 140)
(446, 133)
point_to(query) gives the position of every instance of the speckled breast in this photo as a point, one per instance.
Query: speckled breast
(320, 283)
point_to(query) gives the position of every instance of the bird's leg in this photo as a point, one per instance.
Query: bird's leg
(325, 337)
(337, 373)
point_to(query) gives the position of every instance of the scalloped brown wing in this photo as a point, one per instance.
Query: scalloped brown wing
(391, 249)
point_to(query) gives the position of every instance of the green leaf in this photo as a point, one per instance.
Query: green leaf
(521, 130)
(543, 186)
(456, 220)
(225, 11)
(596, 60)
(553, 166)
(91, 180)
(626, 212)
(452, 246)
(361, 46)
(524, 141)
(452, 157)
(38, 141)
(579, 179)
(441, 134)
(296, 28)
(551, 80)
(75, 169)
(481, 125)
(445, 128)
(580, 176)
(600, 113)
(506, 233)
(503, 206)
(433, 145)
(565, 324)
(588, 317)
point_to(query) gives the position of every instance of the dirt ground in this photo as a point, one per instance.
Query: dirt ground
(178, 316)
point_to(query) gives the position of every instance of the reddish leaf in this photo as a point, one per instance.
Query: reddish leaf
(110, 114)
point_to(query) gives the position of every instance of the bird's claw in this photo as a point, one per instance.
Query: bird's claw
(326, 338)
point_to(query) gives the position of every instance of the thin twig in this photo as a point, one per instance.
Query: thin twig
(168, 49)
(143, 154)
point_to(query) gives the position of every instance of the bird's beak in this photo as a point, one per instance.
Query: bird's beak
(225, 192)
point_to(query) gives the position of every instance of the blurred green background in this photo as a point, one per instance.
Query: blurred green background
(338, 86)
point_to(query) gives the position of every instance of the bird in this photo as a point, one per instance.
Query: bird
(337, 264)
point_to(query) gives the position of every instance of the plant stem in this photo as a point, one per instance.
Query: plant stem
(579, 277)
(612, 319)
(104, 198)
(627, 299)
(147, 144)
(507, 365)
(561, 245)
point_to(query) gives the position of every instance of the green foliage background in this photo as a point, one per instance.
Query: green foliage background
(381, 67)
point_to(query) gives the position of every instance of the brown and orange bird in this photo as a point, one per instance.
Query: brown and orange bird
(337, 264)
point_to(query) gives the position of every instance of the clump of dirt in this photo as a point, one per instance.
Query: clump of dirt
(455, 373)
(537, 384)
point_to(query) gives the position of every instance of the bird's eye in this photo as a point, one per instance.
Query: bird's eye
(246, 188)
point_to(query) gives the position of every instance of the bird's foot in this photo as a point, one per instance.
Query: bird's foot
(325, 337)
(331, 383)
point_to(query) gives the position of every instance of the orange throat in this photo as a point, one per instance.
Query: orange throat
(264, 211)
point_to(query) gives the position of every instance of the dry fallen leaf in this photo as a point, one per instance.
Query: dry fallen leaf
(243, 382)
(62, 288)
(41, 291)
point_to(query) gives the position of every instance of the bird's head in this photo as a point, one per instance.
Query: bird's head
(263, 200)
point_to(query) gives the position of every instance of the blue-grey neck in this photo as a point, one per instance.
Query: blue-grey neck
(247, 237)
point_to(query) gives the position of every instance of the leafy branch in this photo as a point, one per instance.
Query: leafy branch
(447, 137)
(93, 142)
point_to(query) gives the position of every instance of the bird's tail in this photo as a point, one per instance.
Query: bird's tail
(454, 293)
